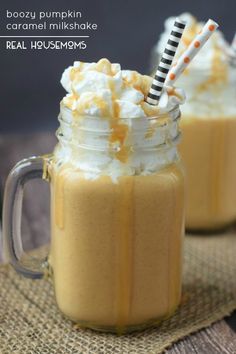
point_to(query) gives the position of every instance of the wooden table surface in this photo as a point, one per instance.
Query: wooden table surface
(218, 338)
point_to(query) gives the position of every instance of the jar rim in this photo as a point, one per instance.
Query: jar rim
(165, 145)
(149, 118)
(75, 130)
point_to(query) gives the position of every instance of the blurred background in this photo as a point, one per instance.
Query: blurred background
(30, 90)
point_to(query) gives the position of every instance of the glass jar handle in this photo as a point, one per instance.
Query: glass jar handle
(23, 172)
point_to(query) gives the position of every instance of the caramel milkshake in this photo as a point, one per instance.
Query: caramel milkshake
(121, 266)
(117, 200)
(209, 130)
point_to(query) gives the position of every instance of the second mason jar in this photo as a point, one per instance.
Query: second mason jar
(209, 139)
(208, 126)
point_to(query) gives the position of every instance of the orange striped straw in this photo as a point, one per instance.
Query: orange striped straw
(192, 50)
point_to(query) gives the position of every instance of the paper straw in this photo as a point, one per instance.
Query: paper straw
(192, 50)
(165, 62)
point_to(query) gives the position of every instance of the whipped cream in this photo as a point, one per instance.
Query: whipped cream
(106, 127)
(210, 80)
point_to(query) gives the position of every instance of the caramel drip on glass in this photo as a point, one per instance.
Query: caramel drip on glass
(59, 185)
(47, 158)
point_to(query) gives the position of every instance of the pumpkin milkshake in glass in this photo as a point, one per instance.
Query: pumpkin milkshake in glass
(209, 130)
(117, 200)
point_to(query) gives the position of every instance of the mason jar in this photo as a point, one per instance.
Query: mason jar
(208, 146)
(208, 126)
(117, 219)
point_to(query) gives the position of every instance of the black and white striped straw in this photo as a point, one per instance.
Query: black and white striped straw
(166, 62)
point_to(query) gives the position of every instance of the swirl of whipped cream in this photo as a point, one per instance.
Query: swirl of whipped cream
(102, 89)
(109, 105)
(210, 80)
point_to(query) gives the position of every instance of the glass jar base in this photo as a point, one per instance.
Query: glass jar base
(122, 330)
